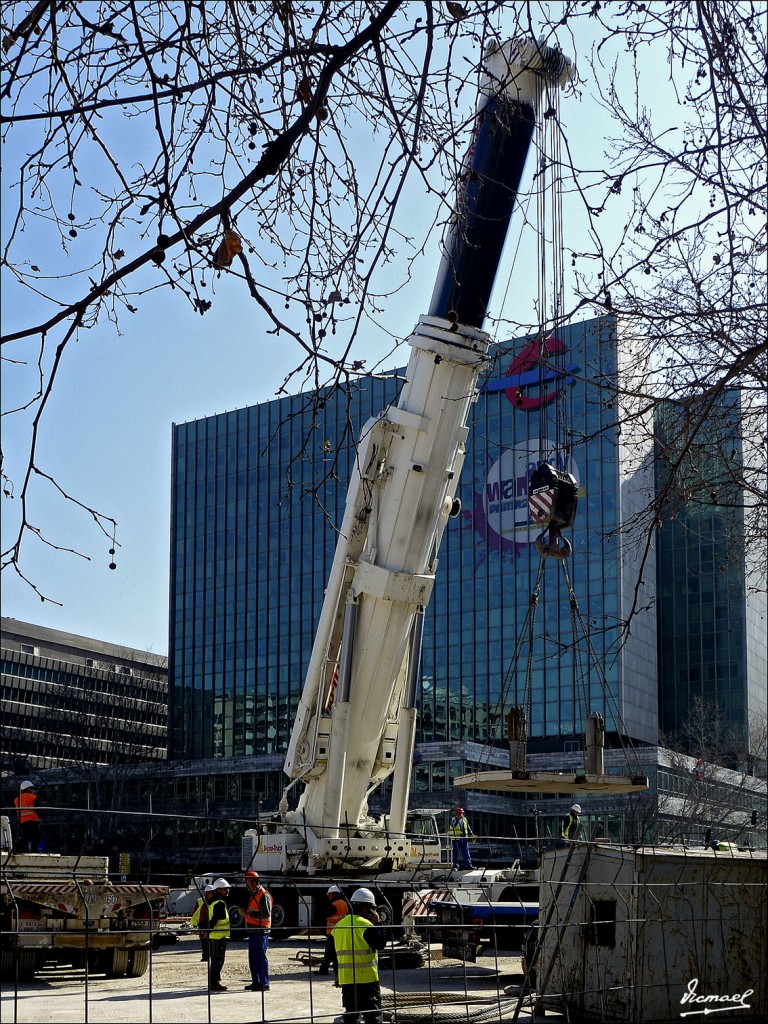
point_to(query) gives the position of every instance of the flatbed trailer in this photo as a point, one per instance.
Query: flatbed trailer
(66, 910)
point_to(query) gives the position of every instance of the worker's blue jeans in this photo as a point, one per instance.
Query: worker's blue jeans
(461, 857)
(258, 940)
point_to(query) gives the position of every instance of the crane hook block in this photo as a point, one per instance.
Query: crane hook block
(552, 544)
(552, 496)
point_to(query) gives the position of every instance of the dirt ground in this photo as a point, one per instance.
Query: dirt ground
(175, 990)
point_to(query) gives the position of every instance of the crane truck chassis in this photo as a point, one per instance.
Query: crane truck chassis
(65, 909)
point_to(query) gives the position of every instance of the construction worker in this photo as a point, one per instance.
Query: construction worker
(340, 909)
(460, 832)
(258, 920)
(199, 919)
(357, 942)
(569, 826)
(29, 820)
(218, 934)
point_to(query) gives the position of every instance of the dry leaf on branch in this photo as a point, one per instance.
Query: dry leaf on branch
(229, 247)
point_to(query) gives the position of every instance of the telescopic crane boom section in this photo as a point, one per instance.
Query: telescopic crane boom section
(356, 719)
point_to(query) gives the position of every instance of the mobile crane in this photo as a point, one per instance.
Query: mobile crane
(356, 720)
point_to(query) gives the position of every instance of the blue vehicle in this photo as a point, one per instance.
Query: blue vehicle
(469, 929)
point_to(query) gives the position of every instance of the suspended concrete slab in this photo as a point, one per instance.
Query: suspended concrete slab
(505, 780)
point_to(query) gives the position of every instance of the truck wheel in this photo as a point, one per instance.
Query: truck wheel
(6, 964)
(28, 963)
(138, 963)
(119, 964)
(237, 923)
(281, 921)
(95, 961)
(385, 914)
(26, 960)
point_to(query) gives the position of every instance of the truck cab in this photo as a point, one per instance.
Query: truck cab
(428, 848)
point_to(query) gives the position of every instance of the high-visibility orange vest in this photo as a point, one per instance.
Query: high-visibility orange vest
(258, 913)
(340, 909)
(26, 804)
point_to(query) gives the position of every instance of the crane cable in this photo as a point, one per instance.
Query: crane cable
(608, 695)
(551, 356)
(527, 632)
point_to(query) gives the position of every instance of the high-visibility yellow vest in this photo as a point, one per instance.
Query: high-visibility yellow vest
(220, 930)
(565, 829)
(358, 963)
(200, 913)
(459, 828)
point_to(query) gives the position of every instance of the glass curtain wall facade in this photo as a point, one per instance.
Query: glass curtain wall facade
(255, 496)
(706, 625)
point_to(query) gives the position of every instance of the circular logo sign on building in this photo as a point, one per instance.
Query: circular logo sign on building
(505, 497)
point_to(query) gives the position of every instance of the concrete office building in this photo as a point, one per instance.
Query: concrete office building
(71, 700)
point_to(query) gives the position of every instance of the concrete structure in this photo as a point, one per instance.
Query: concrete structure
(649, 934)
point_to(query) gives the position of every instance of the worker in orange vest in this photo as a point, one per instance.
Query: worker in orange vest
(29, 820)
(258, 921)
(340, 909)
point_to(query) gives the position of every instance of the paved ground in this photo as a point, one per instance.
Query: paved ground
(174, 990)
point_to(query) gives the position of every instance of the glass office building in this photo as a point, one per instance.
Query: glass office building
(712, 629)
(255, 496)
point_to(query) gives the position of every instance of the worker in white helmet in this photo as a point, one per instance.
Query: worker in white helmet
(340, 908)
(358, 941)
(199, 919)
(218, 934)
(569, 826)
(29, 819)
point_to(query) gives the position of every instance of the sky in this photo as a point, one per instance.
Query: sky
(107, 434)
(107, 437)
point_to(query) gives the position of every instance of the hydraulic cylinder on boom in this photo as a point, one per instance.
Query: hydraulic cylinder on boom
(356, 721)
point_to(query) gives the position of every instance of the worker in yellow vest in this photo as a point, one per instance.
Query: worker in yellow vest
(199, 919)
(460, 832)
(218, 934)
(569, 826)
(357, 941)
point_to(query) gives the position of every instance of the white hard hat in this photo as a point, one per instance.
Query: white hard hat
(333, 888)
(364, 896)
(576, 808)
(221, 883)
(208, 888)
(27, 785)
